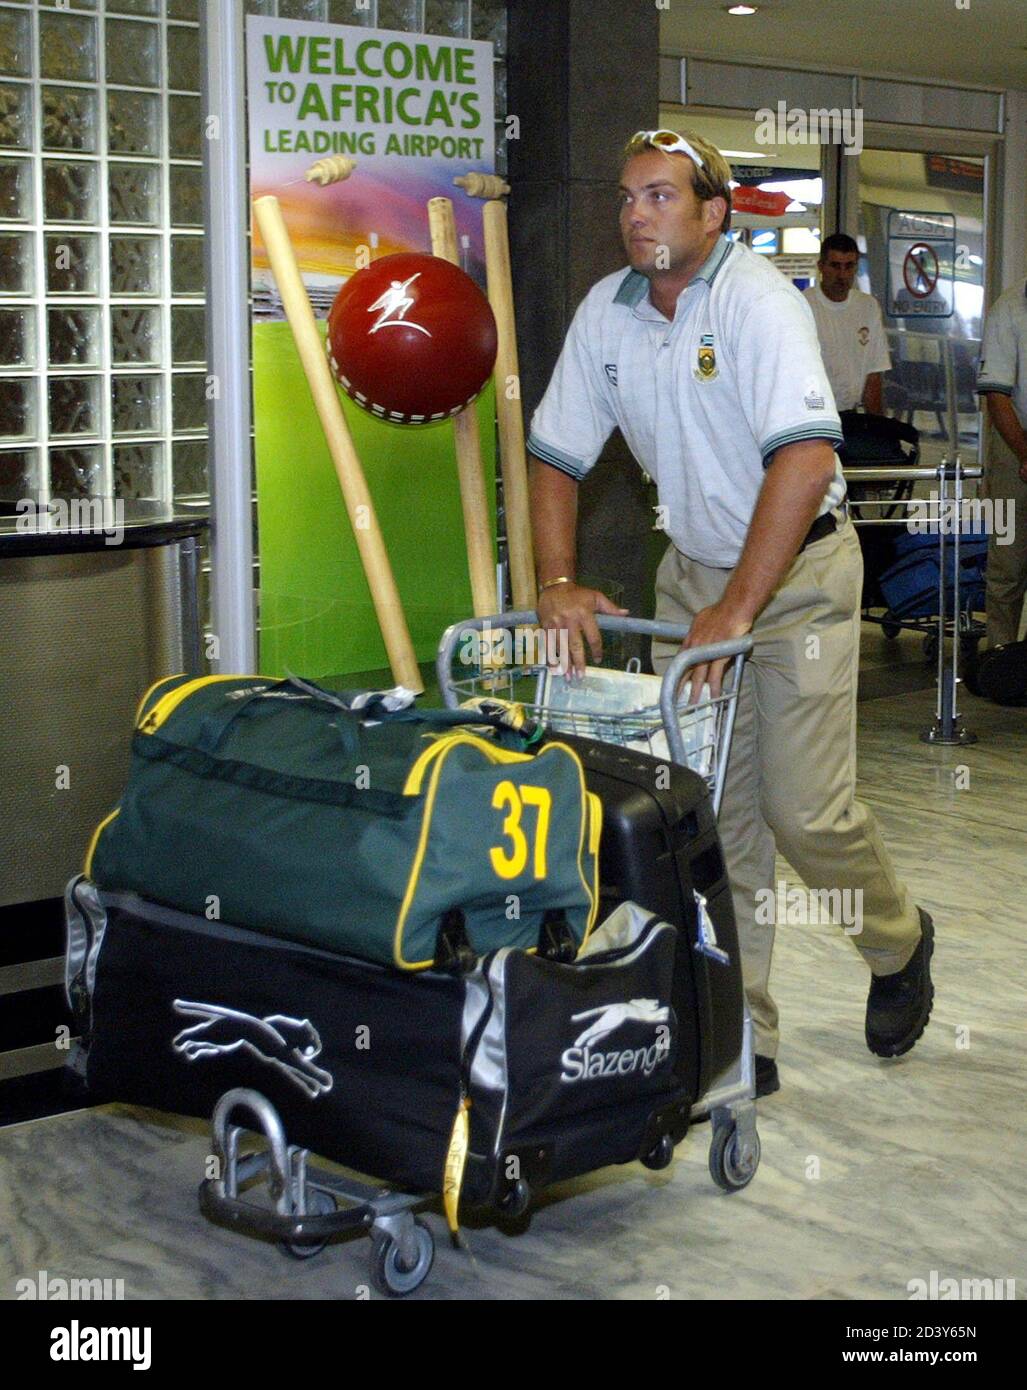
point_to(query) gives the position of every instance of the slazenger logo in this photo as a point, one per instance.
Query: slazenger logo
(581, 1063)
(290, 1044)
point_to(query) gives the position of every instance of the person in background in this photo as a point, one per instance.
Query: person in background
(850, 329)
(1002, 381)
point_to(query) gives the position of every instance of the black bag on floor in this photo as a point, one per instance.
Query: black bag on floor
(660, 848)
(567, 1067)
(1001, 674)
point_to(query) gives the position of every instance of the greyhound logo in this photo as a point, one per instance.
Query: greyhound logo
(581, 1063)
(611, 1016)
(290, 1044)
(395, 300)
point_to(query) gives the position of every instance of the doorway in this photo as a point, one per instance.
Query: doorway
(921, 223)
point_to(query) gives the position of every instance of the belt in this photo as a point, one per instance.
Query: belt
(825, 525)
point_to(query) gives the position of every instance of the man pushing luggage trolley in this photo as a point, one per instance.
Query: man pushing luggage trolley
(706, 358)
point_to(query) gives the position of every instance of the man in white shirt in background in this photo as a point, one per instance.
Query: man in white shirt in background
(850, 329)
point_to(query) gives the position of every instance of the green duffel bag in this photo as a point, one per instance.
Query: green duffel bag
(273, 805)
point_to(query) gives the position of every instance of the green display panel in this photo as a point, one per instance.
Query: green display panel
(316, 616)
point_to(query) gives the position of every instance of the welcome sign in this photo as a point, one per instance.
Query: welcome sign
(439, 99)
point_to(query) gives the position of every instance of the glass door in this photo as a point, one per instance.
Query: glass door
(922, 229)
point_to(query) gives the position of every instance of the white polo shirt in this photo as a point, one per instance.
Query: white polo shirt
(852, 342)
(703, 402)
(1004, 349)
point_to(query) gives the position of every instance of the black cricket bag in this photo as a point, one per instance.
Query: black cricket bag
(1001, 674)
(660, 848)
(877, 441)
(567, 1066)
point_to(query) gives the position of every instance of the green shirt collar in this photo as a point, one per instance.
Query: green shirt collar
(716, 258)
(632, 290)
(635, 287)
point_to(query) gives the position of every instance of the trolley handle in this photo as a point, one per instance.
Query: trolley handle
(735, 650)
(639, 627)
(737, 647)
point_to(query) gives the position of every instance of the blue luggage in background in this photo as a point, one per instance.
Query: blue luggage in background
(910, 585)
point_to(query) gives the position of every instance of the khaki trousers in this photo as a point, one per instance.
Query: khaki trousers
(1007, 563)
(791, 779)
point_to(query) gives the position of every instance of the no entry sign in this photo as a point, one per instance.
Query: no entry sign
(920, 270)
(921, 264)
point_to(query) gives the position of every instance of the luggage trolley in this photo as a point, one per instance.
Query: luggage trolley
(303, 1207)
(900, 581)
(694, 735)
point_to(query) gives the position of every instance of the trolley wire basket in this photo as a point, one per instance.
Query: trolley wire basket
(505, 658)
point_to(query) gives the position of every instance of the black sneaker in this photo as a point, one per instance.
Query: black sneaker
(767, 1079)
(899, 1005)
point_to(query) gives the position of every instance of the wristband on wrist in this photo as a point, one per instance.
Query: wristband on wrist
(552, 583)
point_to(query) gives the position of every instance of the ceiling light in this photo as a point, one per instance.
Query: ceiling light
(744, 154)
(742, 9)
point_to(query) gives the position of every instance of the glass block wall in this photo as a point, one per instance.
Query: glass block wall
(102, 373)
(102, 391)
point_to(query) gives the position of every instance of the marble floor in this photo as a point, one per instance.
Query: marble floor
(874, 1174)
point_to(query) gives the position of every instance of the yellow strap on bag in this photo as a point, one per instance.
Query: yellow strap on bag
(456, 1162)
(166, 705)
(152, 720)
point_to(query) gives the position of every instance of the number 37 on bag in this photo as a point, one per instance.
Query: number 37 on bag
(527, 809)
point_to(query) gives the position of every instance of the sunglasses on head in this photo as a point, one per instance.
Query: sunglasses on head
(670, 142)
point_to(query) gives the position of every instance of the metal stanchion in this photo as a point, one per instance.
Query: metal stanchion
(948, 725)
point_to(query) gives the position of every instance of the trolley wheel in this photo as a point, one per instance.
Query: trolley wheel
(516, 1200)
(931, 647)
(890, 628)
(725, 1167)
(660, 1155)
(389, 1274)
(319, 1203)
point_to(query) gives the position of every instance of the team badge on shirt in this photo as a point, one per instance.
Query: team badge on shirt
(864, 336)
(706, 368)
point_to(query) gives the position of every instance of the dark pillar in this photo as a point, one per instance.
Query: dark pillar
(583, 77)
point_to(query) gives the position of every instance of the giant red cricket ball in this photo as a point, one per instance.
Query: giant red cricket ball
(411, 338)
